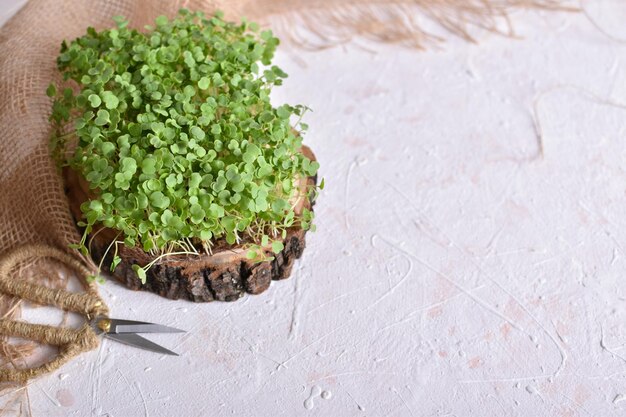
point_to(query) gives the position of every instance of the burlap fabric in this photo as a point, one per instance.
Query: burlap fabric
(33, 207)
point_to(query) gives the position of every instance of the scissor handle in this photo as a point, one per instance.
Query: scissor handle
(49, 335)
(88, 303)
(71, 342)
(83, 303)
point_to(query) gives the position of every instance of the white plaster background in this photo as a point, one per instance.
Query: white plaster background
(456, 271)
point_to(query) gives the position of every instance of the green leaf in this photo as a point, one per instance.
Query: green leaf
(171, 181)
(159, 200)
(266, 117)
(115, 263)
(120, 21)
(216, 129)
(161, 20)
(102, 118)
(204, 83)
(252, 152)
(229, 223)
(95, 205)
(128, 166)
(220, 184)
(277, 246)
(134, 129)
(264, 171)
(107, 149)
(197, 213)
(51, 91)
(94, 100)
(110, 100)
(108, 198)
(195, 180)
(153, 185)
(197, 133)
(283, 112)
(148, 166)
(216, 211)
(141, 273)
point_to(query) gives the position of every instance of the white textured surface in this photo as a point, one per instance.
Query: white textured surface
(455, 271)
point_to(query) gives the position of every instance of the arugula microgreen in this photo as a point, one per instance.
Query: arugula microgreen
(174, 131)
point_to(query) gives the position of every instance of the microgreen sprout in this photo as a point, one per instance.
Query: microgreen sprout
(173, 129)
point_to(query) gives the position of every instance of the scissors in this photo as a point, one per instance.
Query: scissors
(70, 341)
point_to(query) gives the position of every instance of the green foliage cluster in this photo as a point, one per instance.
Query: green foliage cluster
(174, 131)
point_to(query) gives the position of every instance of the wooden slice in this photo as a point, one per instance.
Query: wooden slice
(225, 275)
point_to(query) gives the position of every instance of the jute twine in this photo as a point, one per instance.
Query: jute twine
(71, 342)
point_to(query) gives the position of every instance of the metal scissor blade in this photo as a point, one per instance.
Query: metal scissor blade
(131, 326)
(137, 341)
